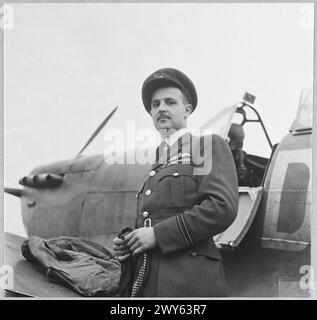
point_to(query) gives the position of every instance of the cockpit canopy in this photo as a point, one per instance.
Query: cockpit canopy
(304, 117)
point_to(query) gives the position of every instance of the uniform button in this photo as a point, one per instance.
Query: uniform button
(175, 174)
(152, 173)
(148, 192)
(194, 254)
(146, 214)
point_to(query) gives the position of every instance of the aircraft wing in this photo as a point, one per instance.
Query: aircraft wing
(28, 279)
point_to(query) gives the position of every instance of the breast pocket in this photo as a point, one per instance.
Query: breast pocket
(177, 187)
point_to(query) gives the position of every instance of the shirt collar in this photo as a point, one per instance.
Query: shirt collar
(170, 140)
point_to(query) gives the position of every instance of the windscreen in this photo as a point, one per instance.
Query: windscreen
(220, 123)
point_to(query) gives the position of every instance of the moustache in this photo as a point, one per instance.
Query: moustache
(162, 116)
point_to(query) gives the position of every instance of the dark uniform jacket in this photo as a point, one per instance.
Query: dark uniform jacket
(240, 160)
(188, 201)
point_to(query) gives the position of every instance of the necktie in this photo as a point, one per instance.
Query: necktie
(163, 147)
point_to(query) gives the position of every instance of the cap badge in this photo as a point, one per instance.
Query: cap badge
(158, 75)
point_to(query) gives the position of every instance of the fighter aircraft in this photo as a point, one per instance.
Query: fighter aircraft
(266, 251)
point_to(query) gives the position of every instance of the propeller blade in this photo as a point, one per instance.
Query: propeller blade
(104, 122)
(14, 192)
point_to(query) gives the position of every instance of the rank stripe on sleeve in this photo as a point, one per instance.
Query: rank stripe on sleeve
(182, 226)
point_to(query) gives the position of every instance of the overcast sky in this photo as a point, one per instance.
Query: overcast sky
(68, 65)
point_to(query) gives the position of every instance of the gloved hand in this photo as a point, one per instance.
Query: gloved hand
(140, 240)
(120, 245)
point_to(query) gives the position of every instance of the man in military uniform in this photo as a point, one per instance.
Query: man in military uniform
(236, 138)
(171, 250)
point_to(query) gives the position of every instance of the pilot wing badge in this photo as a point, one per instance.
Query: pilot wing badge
(183, 158)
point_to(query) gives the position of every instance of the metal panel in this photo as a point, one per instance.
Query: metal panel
(289, 204)
(249, 199)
